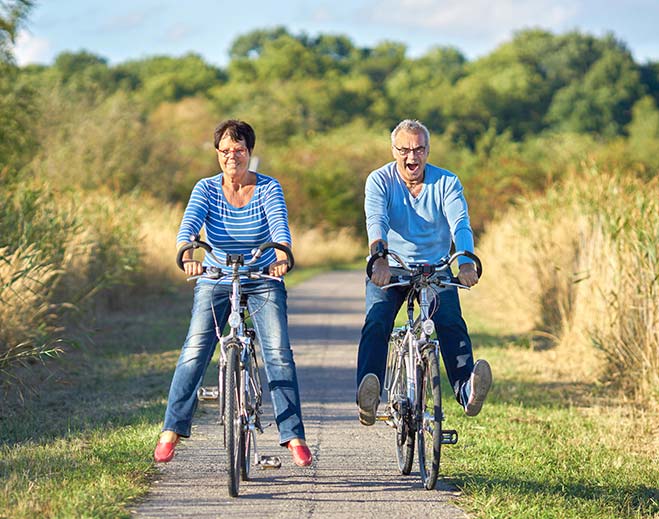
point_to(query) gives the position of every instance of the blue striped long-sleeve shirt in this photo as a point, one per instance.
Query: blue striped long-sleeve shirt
(420, 229)
(237, 230)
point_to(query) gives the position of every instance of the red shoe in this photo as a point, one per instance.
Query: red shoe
(164, 451)
(301, 455)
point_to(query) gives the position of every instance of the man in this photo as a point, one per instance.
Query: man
(417, 210)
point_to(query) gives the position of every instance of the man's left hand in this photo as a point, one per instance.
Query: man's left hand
(467, 274)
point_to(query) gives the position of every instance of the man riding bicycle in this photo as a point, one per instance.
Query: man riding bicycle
(418, 210)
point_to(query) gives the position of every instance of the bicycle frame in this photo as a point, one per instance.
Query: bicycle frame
(413, 338)
(239, 389)
(418, 412)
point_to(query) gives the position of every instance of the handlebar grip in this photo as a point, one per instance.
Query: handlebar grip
(274, 245)
(194, 243)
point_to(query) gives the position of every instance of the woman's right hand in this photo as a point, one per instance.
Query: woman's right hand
(191, 266)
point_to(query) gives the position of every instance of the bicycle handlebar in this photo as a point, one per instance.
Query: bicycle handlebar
(195, 243)
(424, 269)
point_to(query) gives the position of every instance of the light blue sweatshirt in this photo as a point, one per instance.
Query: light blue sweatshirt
(420, 229)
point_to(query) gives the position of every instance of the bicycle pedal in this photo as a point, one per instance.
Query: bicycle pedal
(269, 462)
(383, 417)
(449, 437)
(208, 393)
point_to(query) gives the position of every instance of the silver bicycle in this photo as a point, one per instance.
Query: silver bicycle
(412, 378)
(239, 391)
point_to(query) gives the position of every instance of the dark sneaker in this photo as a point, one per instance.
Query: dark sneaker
(480, 382)
(368, 398)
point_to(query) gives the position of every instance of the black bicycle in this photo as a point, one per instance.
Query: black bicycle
(412, 377)
(239, 390)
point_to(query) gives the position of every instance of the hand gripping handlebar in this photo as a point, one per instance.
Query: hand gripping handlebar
(195, 243)
(443, 264)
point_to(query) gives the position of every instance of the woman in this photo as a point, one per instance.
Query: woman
(241, 209)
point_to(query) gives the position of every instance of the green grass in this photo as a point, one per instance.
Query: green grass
(548, 449)
(81, 445)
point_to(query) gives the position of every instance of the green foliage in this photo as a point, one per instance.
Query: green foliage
(644, 131)
(12, 15)
(600, 103)
(165, 79)
(509, 124)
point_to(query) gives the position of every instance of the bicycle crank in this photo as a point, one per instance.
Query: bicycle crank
(449, 437)
(268, 462)
(208, 393)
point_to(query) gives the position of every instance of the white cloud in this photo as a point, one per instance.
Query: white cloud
(30, 49)
(476, 17)
(126, 21)
(178, 32)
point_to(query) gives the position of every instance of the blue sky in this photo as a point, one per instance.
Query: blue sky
(122, 30)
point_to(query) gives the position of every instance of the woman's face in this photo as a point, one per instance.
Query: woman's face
(233, 156)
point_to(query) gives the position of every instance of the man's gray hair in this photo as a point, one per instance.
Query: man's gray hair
(413, 126)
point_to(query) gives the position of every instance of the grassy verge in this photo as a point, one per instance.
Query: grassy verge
(81, 444)
(547, 447)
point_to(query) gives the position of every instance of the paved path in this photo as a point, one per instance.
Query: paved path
(354, 473)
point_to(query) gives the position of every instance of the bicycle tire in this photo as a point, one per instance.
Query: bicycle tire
(233, 421)
(221, 386)
(429, 411)
(251, 405)
(404, 433)
(245, 465)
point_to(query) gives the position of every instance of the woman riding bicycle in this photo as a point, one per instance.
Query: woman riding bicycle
(240, 209)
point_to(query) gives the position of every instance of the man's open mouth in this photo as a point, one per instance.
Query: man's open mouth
(411, 167)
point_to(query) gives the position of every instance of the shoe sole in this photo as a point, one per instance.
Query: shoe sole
(368, 398)
(481, 380)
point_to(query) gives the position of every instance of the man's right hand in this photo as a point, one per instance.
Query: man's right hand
(381, 273)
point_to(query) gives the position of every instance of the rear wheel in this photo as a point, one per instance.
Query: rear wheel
(233, 425)
(429, 411)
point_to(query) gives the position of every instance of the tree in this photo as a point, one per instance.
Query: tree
(601, 101)
(418, 87)
(16, 99)
(165, 79)
(13, 14)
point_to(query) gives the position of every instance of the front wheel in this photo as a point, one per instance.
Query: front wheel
(252, 403)
(233, 424)
(429, 412)
(404, 433)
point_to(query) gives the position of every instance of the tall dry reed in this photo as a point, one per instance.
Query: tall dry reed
(315, 247)
(579, 266)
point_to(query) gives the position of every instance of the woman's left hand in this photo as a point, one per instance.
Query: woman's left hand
(278, 268)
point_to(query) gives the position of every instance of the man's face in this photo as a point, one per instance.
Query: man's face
(233, 156)
(410, 151)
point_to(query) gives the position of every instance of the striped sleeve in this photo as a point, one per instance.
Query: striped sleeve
(276, 213)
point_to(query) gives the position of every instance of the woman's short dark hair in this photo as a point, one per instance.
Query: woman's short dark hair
(237, 130)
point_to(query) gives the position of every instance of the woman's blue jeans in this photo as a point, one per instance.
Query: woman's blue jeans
(266, 301)
(382, 306)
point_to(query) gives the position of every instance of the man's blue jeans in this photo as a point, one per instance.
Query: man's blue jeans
(266, 301)
(382, 306)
